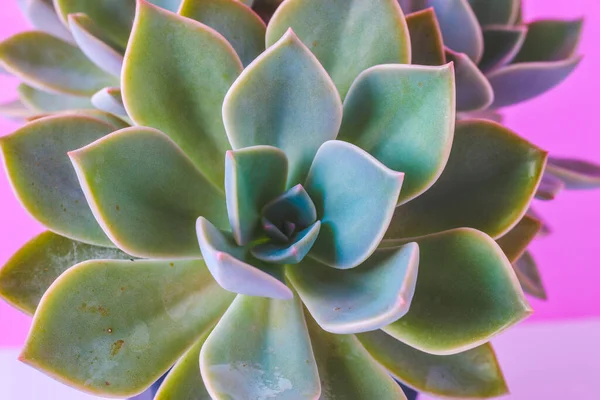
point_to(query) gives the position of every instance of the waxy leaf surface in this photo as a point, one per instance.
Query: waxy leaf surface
(127, 322)
(146, 194)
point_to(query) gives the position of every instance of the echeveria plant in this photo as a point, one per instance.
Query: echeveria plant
(304, 227)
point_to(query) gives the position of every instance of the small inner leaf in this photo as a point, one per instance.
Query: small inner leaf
(289, 253)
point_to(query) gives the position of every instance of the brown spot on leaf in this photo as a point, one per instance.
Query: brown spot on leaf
(116, 347)
(107, 383)
(122, 288)
(117, 207)
(337, 309)
(172, 265)
(109, 330)
(102, 311)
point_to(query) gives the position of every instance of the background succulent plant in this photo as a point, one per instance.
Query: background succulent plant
(304, 225)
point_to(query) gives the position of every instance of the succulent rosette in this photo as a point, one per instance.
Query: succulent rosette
(306, 225)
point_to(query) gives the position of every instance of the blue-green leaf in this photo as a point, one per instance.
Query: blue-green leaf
(232, 19)
(355, 197)
(42, 16)
(253, 177)
(496, 12)
(404, 116)
(368, 297)
(109, 100)
(292, 252)
(550, 40)
(333, 30)
(473, 91)
(175, 77)
(260, 349)
(575, 173)
(226, 262)
(502, 43)
(146, 194)
(284, 99)
(48, 102)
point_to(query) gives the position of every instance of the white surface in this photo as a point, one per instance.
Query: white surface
(545, 361)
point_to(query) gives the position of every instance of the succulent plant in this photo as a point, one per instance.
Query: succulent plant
(306, 225)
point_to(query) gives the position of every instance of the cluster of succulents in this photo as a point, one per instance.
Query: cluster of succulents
(309, 208)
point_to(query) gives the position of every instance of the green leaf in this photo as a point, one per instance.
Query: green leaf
(368, 297)
(466, 293)
(502, 43)
(146, 194)
(227, 263)
(515, 241)
(109, 100)
(523, 81)
(529, 276)
(291, 252)
(114, 16)
(184, 381)
(404, 116)
(576, 174)
(48, 63)
(114, 327)
(47, 102)
(333, 30)
(473, 373)
(232, 19)
(31, 270)
(355, 197)
(425, 38)
(175, 77)
(488, 183)
(284, 99)
(473, 91)
(460, 29)
(260, 349)
(42, 176)
(496, 12)
(171, 5)
(347, 370)
(111, 119)
(95, 45)
(42, 16)
(550, 40)
(253, 177)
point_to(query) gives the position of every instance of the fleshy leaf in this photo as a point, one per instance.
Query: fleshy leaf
(502, 43)
(15, 110)
(459, 26)
(109, 100)
(184, 381)
(253, 177)
(473, 373)
(170, 5)
(32, 269)
(488, 114)
(519, 82)
(43, 101)
(42, 16)
(95, 45)
(529, 276)
(473, 91)
(111, 119)
(284, 99)
(49, 63)
(292, 252)
(146, 194)
(260, 349)
(514, 243)
(347, 370)
(376, 119)
(333, 30)
(466, 293)
(114, 16)
(175, 77)
(355, 197)
(549, 187)
(295, 205)
(226, 263)
(488, 183)
(368, 297)
(576, 174)
(545, 229)
(42, 176)
(496, 12)
(114, 327)
(426, 38)
(550, 40)
(232, 19)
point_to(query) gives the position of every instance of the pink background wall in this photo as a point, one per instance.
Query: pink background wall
(565, 122)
